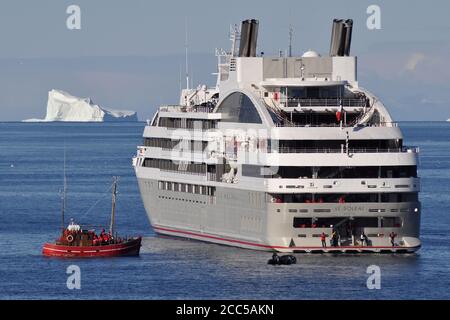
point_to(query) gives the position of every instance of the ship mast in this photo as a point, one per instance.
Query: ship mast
(63, 194)
(291, 33)
(186, 57)
(113, 207)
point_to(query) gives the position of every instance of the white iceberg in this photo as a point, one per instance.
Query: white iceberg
(62, 106)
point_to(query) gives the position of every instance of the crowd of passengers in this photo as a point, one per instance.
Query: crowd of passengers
(335, 239)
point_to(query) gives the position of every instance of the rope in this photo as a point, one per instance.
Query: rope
(97, 202)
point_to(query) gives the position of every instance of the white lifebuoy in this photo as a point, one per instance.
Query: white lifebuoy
(69, 238)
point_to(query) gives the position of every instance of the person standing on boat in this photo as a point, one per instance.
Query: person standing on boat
(334, 239)
(362, 238)
(392, 235)
(323, 237)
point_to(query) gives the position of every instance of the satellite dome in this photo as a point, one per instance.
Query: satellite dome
(310, 54)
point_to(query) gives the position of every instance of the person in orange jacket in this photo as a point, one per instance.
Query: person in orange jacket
(323, 237)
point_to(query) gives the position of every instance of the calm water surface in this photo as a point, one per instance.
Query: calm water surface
(31, 165)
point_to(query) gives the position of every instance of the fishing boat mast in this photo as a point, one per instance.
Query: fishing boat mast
(113, 207)
(63, 195)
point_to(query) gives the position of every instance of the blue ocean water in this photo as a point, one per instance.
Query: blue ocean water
(31, 171)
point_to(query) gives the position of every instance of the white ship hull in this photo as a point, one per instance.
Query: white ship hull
(235, 223)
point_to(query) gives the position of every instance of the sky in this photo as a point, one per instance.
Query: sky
(129, 54)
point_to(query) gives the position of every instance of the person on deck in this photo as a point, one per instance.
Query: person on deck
(323, 238)
(392, 235)
(334, 239)
(362, 238)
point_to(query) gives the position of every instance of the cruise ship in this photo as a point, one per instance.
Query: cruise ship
(285, 153)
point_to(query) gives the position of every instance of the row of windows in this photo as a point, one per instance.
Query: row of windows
(315, 92)
(186, 188)
(167, 143)
(172, 165)
(345, 198)
(351, 225)
(184, 123)
(363, 172)
(300, 145)
(181, 199)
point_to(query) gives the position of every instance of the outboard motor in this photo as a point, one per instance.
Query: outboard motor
(249, 38)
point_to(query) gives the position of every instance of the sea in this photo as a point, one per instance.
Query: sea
(31, 179)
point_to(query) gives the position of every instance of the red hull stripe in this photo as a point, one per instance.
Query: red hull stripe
(87, 251)
(207, 236)
(217, 238)
(109, 250)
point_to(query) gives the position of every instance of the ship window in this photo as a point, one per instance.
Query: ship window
(391, 222)
(238, 107)
(302, 222)
(328, 222)
(365, 222)
(345, 198)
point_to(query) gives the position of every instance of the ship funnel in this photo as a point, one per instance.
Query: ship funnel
(348, 27)
(341, 37)
(249, 38)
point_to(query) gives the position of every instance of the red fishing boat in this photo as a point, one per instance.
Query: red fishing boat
(77, 242)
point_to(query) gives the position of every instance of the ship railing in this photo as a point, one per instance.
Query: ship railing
(178, 108)
(184, 172)
(336, 125)
(324, 102)
(343, 150)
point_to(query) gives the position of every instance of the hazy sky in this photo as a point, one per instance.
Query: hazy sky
(128, 54)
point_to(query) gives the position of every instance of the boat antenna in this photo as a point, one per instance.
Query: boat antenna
(63, 193)
(180, 75)
(186, 48)
(291, 33)
(234, 37)
(113, 207)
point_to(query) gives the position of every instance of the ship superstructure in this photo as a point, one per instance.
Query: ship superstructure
(281, 154)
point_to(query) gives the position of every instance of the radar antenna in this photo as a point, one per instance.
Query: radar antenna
(235, 35)
(291, 33)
